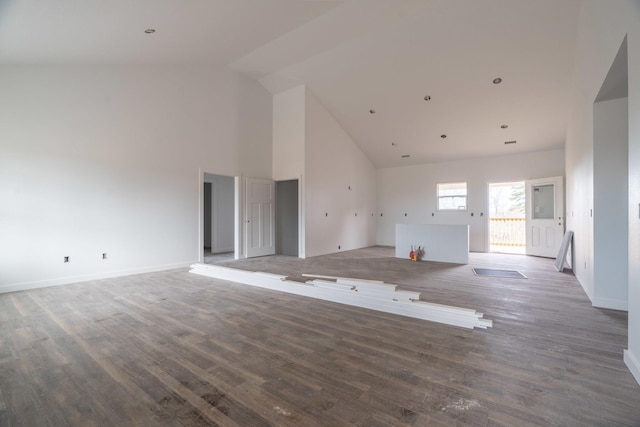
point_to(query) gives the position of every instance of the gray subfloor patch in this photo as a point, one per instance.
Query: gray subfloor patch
(498, 273)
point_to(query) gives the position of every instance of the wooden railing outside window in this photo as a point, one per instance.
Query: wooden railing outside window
(507, 232)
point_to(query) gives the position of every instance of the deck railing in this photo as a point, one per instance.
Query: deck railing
(507, 231)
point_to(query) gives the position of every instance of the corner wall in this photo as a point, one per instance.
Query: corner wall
(340, 186)
(601, 31)
(610, 212)
(100, 159)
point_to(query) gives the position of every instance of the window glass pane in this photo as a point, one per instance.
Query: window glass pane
(452, 196)
(543, 203)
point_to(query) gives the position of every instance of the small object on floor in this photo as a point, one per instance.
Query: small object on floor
(514, 274)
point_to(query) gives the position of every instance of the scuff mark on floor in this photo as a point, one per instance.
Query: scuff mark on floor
(463, 405)
(281, 411)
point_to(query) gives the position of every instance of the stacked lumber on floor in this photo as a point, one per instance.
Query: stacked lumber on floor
(371, 294)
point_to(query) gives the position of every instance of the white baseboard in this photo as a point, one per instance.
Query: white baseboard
(13, 287)
(633, 364)
(610, 304)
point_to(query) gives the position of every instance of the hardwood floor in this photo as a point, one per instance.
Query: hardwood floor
(179, 349)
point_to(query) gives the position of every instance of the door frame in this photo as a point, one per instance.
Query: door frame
(488, 209)
(237, 214)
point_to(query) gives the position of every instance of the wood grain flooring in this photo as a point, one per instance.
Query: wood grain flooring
(178, 349)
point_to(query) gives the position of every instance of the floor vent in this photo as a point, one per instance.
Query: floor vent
(514, 274)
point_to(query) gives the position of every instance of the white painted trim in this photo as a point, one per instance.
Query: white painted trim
(214, 211)
(84, 278)
(238, 217)
(633, 364)
(380, 297)
(302, 239)
(200, 215)
(610, 304)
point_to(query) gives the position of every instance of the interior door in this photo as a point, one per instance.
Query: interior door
(545, 216)
(259, 217)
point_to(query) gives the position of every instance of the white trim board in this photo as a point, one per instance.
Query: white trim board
(369, 294)
(633, 364)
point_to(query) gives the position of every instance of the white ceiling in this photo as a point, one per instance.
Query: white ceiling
(354, 55)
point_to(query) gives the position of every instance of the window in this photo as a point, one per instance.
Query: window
(452, 196)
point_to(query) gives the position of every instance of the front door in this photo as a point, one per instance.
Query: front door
(545, 216)
(260, 217)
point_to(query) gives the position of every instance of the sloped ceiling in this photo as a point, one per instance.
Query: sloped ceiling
(354, 55)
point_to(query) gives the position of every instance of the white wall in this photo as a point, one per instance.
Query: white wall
(340, 187)
(107, 159)
(289, 121)
(289, 134)
(601, 31)
(610, 212)
(411, 190)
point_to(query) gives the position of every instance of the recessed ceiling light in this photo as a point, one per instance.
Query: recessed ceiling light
(372, 111)
(497, 81)
(443, 136)
(149, 31)
(405, 156)
(510, 142)
(427, 98)
(504, 126)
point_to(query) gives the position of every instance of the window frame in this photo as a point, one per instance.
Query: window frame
(439, 197)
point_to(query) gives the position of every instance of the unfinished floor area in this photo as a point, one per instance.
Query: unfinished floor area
(178, 349)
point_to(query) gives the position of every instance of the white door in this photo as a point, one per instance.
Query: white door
(259, 217)
(545, 216)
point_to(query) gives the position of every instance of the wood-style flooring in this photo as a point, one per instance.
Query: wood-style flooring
(178, 349)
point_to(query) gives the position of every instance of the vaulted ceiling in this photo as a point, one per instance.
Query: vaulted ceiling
(356, 56)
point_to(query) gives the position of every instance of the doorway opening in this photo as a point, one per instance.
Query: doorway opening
(287, 218)
(507, 217)
(218, 218)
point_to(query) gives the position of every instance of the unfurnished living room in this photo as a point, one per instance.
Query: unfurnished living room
(320, 213)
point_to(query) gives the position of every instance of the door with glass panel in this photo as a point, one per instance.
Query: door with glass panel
(545, 216)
